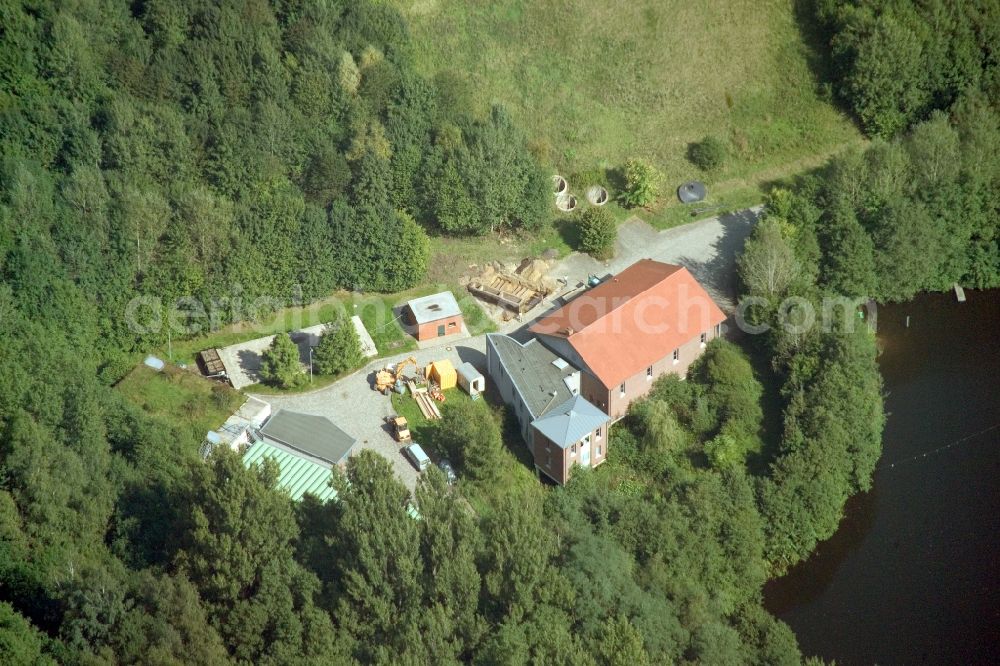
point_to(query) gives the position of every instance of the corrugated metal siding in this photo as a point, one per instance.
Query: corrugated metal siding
(298, 476)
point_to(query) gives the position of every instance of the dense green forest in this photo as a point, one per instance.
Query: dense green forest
(189, 149)
(233, 150)
(894, 63)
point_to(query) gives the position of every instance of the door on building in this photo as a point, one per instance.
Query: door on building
(440, 330)
(585, 451)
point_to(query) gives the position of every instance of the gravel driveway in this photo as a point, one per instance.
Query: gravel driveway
(707, 248)
(356, 407)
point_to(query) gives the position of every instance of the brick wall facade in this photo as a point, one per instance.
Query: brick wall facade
(432, 329)
(615, 403)
(557, 463)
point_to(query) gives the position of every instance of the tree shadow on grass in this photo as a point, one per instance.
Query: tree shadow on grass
(772, 404)
(569, 230)
(816, 36)
(804, 181)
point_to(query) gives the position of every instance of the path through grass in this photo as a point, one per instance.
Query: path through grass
(596, 82)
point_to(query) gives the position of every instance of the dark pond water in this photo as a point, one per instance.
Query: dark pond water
(913, 574)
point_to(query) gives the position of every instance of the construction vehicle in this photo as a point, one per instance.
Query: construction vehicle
(391, 378)
(384, 381)
(400, 429)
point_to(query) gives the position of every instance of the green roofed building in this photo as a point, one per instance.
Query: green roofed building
(298, 476)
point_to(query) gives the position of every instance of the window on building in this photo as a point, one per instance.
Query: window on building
(572, 450)
(649, 372)
(598, 450)
(451, 323)
(677, 355)
(621, 389)
(704, 338)
(598, 433)
(548, 459)
(718, 330)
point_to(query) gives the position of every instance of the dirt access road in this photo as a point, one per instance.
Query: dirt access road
(707, 248)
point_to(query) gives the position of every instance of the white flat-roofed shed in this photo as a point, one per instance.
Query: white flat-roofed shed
(435, 316)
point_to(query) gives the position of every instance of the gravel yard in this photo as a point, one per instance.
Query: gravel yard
(707, 248)
(354, 405)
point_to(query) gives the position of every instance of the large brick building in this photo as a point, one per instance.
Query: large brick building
(560, 428)
(591, 358)
(650, 319)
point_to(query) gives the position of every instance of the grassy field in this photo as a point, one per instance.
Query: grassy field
(597, 82)
(378, 312)
(181, 397)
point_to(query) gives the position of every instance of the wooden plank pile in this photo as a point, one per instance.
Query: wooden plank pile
(506, 290)
(428, 407)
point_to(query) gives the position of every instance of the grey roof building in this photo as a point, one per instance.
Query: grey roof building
(570, 422)
(560, 427)
(315, 436)
(541, 378)
(434, 307)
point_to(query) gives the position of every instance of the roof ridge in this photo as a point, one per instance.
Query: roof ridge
(637, 294)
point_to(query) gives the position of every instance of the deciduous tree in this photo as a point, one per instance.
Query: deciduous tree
(642, 184)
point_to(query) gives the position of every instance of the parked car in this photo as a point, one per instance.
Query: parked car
(417, 456)
(449, 472)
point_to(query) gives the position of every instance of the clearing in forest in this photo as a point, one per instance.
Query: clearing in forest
(596, 82)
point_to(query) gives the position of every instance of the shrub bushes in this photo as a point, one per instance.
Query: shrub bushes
(709, 154)
(280, 365)
(339, 349)
(642, 184)
(598, 233)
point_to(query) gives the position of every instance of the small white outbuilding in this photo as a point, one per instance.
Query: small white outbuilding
(471, 379)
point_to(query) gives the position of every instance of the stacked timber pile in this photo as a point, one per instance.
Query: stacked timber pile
(516, 290)
(427, 405)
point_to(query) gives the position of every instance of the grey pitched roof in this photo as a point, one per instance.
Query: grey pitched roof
(569, 422)
(316, 436)
(434, 307)
(468, 371)
(535, 377)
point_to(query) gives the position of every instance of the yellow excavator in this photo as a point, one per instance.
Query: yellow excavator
(392, 378)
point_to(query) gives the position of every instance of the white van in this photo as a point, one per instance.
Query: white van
(417, 457)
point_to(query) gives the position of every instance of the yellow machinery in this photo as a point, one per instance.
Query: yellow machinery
(401, 429)
(392, 378)
(402, 364)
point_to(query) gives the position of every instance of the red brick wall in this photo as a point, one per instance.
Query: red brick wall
(611, 399)
(557, 462)
(429, 330)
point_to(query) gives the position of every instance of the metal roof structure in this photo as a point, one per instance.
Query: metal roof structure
(469, 372)
(315, 436)
(434, 307)
(691, 192)
(532, 367)
(298, 476)
(568, 423)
